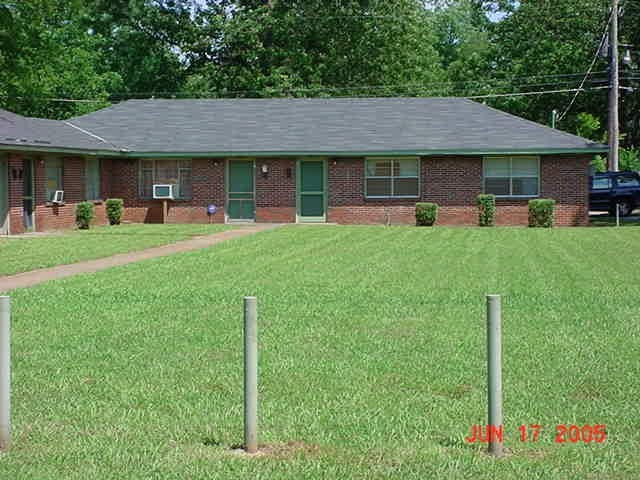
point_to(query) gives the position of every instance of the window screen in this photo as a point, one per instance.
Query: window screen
(392, 177)
(512, 176)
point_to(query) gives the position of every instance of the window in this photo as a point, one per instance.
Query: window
(392, 177)
(54, 173)
(628, 181)
(92, 178)
(511, 176)
(602, 183)
(172, 172)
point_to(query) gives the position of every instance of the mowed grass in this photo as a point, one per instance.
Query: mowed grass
(372, 344)
(24, 254)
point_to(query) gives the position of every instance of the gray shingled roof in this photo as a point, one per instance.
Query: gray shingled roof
(338, 126)
(38, 132)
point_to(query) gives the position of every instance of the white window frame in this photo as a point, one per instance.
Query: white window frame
(154, 179)
(511, 158)
(417, 177)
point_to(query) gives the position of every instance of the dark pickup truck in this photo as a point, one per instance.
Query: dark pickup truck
(611, 188)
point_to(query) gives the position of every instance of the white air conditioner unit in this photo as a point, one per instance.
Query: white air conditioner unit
(58, 197)
(164, 191)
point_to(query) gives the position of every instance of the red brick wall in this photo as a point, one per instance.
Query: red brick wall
(56, 217)
(453, 183)
(207, 188)
(276, 190)
(16, 224)
(47, 216)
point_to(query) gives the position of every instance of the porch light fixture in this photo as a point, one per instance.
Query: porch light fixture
(264, 169)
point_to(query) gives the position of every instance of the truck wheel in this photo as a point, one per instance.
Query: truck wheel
(625, 206)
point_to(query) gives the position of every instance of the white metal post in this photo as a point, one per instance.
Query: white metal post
(5, 373)
(250, 375)
(494, 372)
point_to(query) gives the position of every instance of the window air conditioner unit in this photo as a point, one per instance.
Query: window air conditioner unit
(58, 197)
(164, 192)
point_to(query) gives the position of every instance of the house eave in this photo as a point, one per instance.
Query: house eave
(323, 153)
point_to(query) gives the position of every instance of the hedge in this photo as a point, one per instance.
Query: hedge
(115, 206)
(486, 209)
(84, 215)
(426, 214)
(541, 212)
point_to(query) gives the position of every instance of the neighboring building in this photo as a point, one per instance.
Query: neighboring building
(359, 160)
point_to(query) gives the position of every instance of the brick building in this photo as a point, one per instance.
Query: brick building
(289, 160)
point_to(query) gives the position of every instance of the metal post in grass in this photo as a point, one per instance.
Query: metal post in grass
(250, 375)
(494, 374)
(5, 373)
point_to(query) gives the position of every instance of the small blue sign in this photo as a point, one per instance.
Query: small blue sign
(212, 209)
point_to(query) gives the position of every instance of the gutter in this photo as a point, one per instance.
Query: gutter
(124, 153)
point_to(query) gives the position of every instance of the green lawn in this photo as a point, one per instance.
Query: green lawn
(372, 357)
(23, 254)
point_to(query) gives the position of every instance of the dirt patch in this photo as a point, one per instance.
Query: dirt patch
(279, 450)
(455, 392)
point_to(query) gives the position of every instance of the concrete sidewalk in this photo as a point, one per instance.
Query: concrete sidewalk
(34, 277)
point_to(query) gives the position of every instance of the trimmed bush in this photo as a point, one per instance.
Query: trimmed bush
(426, 214)
(84, 215)
(541, 212)
(486, 209)
(115, 206)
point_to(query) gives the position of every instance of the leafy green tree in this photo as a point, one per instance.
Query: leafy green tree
(321, 48)
(45, 53)
(539, 38)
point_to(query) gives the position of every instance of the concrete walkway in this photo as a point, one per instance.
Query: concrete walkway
(34, 277)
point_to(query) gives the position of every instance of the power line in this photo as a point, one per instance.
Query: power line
(480, 96)
(593, 62)
(375, 87)
(519, 94)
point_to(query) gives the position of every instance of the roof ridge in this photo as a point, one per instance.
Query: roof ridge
(93, 135)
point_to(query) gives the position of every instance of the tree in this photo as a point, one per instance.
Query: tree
(46, 54)
(321, 48)
(540, 38)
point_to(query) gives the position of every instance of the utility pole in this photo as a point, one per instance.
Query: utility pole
(614, 88)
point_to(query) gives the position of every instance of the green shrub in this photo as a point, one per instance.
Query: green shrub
(115, 206)
(486, 209)
(541, 212)
(426, 214)
(84, 215)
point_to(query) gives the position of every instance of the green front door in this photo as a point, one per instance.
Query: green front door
(312, 186)
(4, 196)
(241, 190)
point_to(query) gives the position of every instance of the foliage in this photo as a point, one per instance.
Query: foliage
(541, 212)
(99, 51)
(426, 214)
(599, 163)
(486, 209)
(50, 55)
(322, 48)
(115, 207)
(629, 159)
(84, 214)
(540, 38)
(588, 126)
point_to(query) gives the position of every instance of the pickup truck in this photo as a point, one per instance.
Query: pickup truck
(611, 188)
